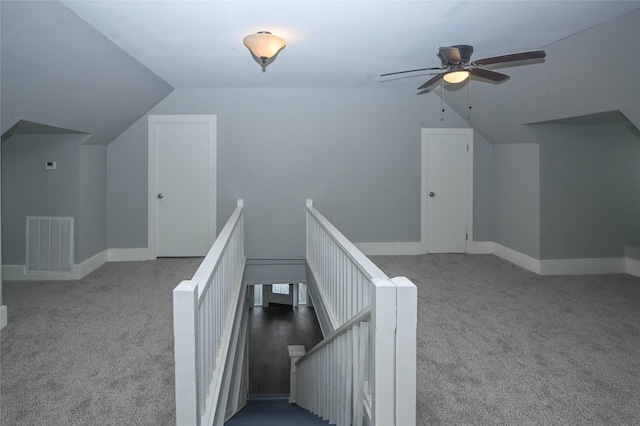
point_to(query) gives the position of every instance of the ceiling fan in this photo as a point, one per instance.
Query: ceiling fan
(456, 65)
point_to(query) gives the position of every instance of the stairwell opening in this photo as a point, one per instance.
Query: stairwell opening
(277, 319)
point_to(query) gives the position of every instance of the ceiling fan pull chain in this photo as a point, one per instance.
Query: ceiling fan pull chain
(469, 98)
(442, 101)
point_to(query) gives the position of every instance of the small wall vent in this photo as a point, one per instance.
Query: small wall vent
(49, 244)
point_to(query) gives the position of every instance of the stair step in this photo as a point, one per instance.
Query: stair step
(274, 410)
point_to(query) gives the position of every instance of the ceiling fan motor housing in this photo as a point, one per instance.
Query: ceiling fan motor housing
(465, 52)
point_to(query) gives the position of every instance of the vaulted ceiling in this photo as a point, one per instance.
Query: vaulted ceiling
(97, 66)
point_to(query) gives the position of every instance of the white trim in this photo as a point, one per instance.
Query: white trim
(613, 265)
(423, 182)
(390, 249)
(517, 258)
(127, 254)
(479, 247)
(19, 273)
(632, 266)
(90, 265)
(152, 165)
(12, 272)
(406, 326)
(3, 316)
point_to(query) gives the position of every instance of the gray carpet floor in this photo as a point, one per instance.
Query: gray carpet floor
(500, 345)
(98, 351)
(496, 345)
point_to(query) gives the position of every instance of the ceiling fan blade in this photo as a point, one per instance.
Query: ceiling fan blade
(403, 72)
(450, 54)
(533, 54)
(430, 82)
(422, 92)
(489, 75)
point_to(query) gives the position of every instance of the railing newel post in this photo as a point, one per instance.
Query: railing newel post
(407, 319)
(186, 352)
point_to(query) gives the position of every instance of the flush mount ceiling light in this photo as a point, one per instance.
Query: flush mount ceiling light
(456, 76)
(264, 46)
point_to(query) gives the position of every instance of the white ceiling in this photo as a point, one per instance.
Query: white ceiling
(198, 44)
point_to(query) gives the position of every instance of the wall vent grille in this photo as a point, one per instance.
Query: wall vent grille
(49, 244)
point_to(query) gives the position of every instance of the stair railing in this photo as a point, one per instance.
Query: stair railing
(206, 312)
(364, 371)
(339, 363)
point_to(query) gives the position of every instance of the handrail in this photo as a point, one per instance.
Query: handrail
(342, 275)
(206, 316)
(214, 255)
(363, 372)
(365, 315)
(356, 256)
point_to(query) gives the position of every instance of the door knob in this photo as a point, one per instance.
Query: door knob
(431, 194)
(160, 196)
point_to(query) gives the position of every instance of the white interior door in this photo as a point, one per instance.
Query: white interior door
(182, 160)
(446, 189)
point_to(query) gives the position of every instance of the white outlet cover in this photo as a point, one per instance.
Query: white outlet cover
(50, 165)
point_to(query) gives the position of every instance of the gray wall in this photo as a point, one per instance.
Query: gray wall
(482, 188)
(554, 90)
(76, 188)
(516, 197)
(29, 190)
(356, 153)
(590, 190)
(0, 226)
(92, 211)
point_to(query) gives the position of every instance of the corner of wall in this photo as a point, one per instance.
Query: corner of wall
(3, 316)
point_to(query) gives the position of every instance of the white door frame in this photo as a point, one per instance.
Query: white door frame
(424, 183)
(154, 120)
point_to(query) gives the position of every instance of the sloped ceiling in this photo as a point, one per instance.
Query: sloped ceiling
(59, 72)
(588, 73)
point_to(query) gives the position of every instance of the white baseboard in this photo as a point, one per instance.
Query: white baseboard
(90, 265)
(12, 272)
(632, 266)
(3, 316)
(613, 265)
(524, 261)
(415, 248)
(127, 254)
(18, 273)
(78, 271)
(390, 249)
(479, 247)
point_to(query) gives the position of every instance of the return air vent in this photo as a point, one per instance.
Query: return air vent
(49, 244)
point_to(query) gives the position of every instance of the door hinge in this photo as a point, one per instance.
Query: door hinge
(466, 237)
(467, 147)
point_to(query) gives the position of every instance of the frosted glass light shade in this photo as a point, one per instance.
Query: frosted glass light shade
(264, 45)
(456, 76)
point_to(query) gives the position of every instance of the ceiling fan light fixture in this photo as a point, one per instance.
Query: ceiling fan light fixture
(456, 76)
(264, 45)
